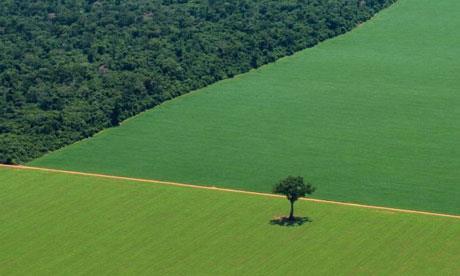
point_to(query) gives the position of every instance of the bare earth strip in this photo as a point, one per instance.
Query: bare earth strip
(19, 167)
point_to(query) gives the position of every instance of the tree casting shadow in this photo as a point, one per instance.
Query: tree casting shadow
(285, 221)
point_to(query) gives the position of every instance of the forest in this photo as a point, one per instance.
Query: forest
(69, 69)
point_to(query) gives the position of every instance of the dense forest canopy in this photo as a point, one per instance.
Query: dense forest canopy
(71, 68)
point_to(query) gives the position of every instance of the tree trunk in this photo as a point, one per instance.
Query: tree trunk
(291, 214)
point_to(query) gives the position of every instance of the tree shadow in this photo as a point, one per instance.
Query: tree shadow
(285, 221)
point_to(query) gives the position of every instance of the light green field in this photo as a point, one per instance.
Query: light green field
(371, 116)
(60, 224)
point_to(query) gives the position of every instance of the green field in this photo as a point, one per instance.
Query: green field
(371, 116)
(60, 224)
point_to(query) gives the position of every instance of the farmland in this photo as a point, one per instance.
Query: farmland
(368, 117)
(371, 117)
(58, 223)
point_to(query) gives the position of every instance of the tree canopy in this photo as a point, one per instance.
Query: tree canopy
(71, 68)
(293, 188)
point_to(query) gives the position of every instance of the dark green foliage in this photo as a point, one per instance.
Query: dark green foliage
(71, 68)
(293, 188)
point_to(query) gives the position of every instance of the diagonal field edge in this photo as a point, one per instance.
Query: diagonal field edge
(20, 167)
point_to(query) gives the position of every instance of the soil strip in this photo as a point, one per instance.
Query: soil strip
(381, 208)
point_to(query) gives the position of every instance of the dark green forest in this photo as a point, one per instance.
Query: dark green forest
(69, 68)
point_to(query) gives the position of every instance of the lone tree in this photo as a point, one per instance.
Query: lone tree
(293, 188)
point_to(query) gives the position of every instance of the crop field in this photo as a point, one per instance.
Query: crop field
(64, 224)
(370, 117)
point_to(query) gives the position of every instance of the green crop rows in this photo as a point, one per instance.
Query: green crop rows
(63, 224)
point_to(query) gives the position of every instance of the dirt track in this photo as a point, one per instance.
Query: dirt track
(229, 190)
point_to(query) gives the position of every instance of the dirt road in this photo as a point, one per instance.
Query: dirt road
(228, 190)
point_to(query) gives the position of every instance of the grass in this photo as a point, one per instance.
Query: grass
(371, 117)
(66, 224)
